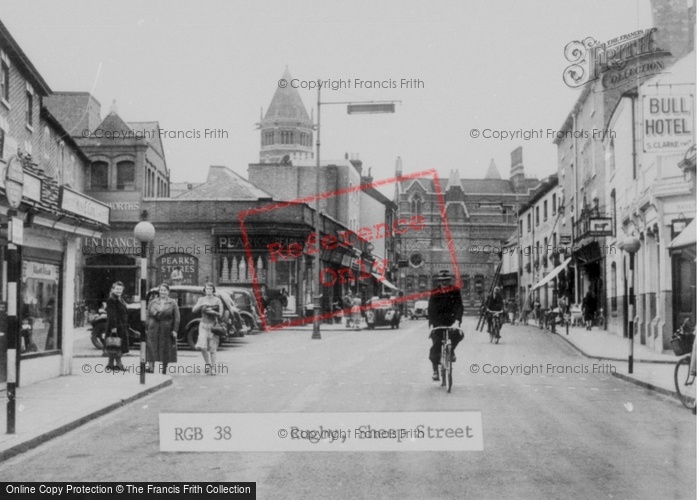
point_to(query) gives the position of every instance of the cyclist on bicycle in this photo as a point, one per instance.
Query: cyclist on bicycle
(494, 304)
(444, 309)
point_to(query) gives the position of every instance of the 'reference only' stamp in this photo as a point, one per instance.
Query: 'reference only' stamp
(347, 240)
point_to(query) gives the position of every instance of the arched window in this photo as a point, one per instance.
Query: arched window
(125, 176)
(99, 176)
(416, 205)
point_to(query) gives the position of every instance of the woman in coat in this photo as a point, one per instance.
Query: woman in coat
(161, 330)
(117, 325)
(211, 308)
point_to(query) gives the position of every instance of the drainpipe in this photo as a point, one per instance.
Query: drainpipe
(576, 206)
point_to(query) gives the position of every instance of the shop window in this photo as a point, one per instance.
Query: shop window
(409, 283)
(38, 310)
(99, 176)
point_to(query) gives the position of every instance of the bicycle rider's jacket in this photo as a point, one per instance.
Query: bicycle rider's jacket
(495, 303)
(445, 307)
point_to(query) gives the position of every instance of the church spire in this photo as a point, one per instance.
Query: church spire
(492, 172)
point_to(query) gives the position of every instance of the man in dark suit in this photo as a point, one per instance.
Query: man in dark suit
(444, 309)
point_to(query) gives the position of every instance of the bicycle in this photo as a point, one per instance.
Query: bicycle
(686, 388)
(494, 325)
(446, 354)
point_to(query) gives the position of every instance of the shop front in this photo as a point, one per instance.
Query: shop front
(52, 225)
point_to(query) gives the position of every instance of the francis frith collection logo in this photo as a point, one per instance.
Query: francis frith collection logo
(616, 61)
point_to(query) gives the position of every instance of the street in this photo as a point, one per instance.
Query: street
(560, 432)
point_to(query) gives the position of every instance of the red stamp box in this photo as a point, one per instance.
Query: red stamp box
(315, 243)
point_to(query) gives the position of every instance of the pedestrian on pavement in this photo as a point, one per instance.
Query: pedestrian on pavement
(211, 309)
(347, 306)
(117, 325)
(512, 309)
(590, 307)
(355, 311)
(161, 330)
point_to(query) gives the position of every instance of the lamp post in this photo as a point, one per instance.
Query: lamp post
(630, 245)
(353, 108)
(144, 232)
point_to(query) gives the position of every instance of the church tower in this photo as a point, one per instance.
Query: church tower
(286, 131)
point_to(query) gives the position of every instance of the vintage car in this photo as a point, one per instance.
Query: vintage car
(383, 312)
(420, 309)
(245, 301)
(187, 297)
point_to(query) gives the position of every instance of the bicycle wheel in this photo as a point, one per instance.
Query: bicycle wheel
(448, 368)
(686, 392)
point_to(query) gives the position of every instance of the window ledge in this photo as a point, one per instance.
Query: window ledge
(5, 103)
(29, 127)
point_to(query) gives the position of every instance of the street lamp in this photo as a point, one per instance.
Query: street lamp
(353, 108)
(630, 245)
(144, 232)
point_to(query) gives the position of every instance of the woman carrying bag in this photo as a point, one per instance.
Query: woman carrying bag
(117, 333)
(161, 330)
(211, 308)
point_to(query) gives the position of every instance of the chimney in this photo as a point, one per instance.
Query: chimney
(355, 160)
(517, 170)
(672, 19)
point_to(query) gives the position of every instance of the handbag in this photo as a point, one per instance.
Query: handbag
(113, 344)
(218, 329)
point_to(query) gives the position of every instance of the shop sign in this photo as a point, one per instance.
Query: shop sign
(39, 271)
(16, 231)
(600, 226)
(668, 123)
(226, 243)
(565, 239)
(677, 226)
(178, 269)
(14, 182)
(84, 206)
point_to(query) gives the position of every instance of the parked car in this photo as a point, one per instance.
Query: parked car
(420, 309)
(186, 297)
(98, 324)
(384, 313)
(245, 301)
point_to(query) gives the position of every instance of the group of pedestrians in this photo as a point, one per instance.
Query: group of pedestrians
(162, 326)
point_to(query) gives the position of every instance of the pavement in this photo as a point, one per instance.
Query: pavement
(50, 408)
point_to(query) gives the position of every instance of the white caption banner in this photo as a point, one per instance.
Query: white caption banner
(280, 432)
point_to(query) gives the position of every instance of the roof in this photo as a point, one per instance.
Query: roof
(286, 104)
(150, 132)
(77, 111)
(223, 183)
(492, 172)
(21, 60)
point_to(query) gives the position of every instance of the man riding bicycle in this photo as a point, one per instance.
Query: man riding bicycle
(444, 309)
(494, 304)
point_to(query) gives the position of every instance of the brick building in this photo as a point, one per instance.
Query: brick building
(482, 215)
(620, 179)
(127, 166)
(53, 213)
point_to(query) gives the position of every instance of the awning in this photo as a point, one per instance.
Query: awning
(688, 237)
(552, 275)
(381, 279)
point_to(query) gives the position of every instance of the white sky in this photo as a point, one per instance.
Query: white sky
(193, 65)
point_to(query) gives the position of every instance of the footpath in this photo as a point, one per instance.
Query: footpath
(50, 408)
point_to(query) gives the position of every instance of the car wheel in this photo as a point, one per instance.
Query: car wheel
(98, 335)
(192, 335)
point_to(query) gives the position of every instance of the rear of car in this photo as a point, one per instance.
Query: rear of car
(420, 309)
